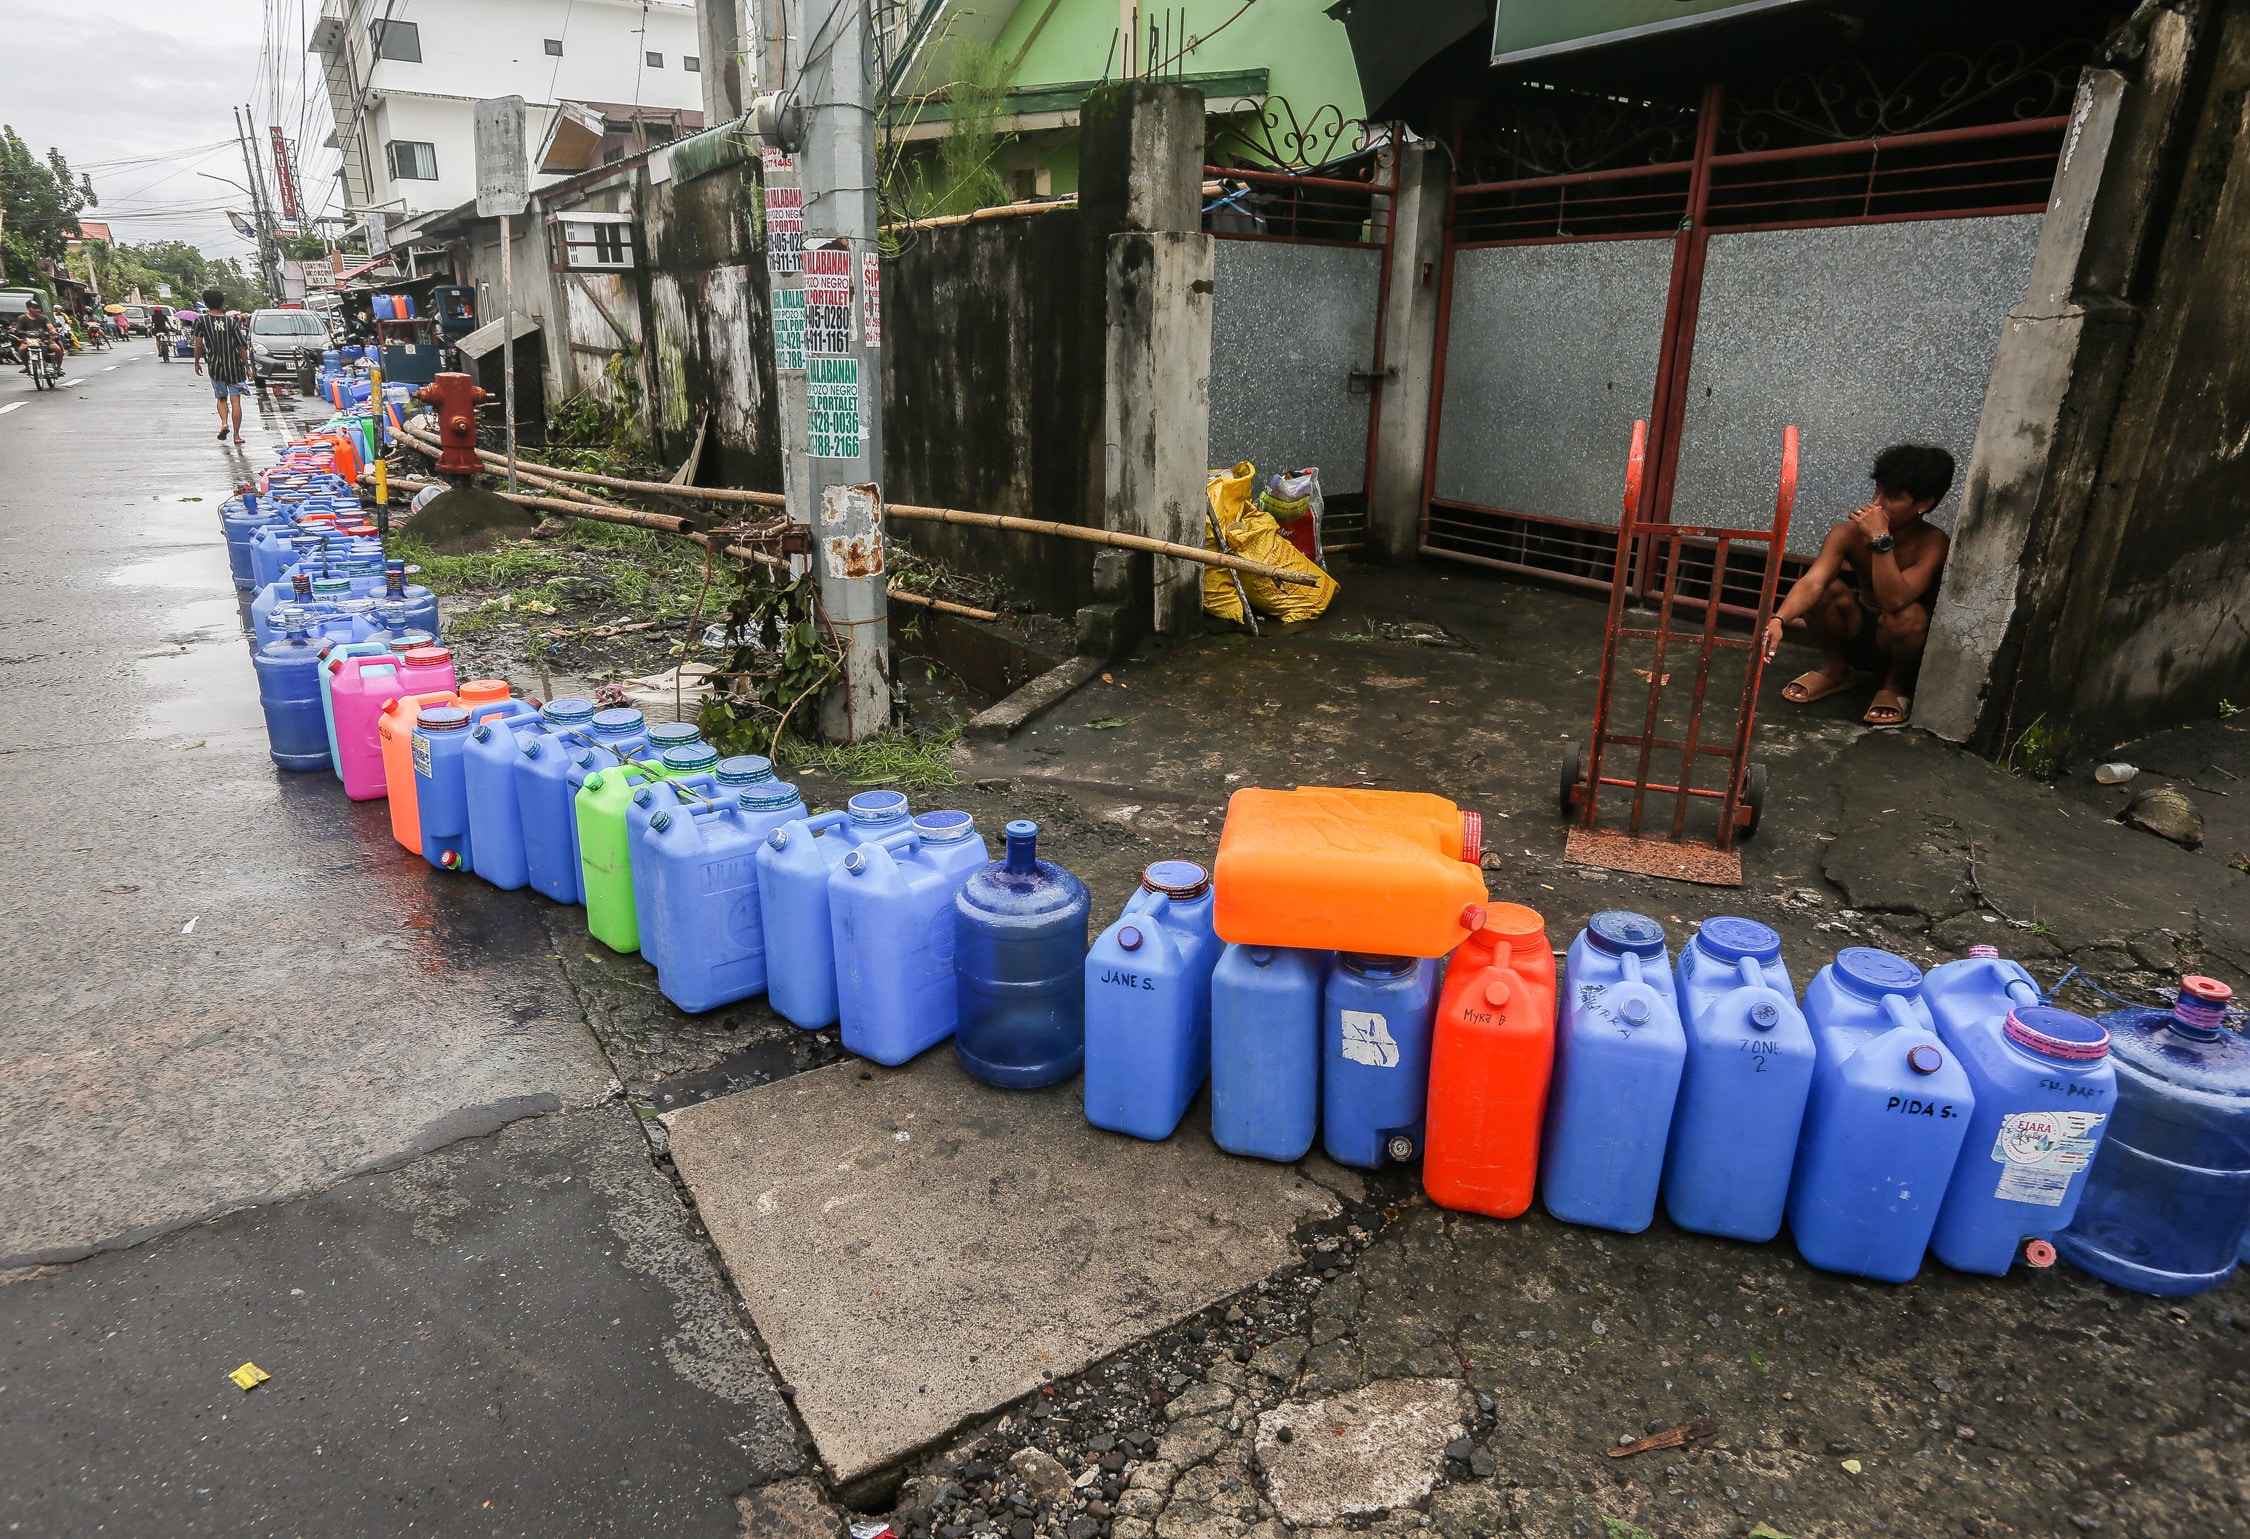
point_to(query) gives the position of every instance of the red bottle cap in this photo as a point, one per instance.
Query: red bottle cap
(428, 657)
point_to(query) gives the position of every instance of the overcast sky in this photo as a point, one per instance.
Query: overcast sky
(137, 92)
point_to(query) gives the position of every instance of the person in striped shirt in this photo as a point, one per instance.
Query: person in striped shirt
(221, 342)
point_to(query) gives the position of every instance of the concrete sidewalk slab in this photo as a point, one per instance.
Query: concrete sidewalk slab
(918, 1249)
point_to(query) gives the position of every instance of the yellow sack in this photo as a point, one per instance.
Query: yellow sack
(1252, 533)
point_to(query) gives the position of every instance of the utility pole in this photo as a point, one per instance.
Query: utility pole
(260, 220)
(843, 359)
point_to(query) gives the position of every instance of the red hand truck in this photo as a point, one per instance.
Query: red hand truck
(1659, 559)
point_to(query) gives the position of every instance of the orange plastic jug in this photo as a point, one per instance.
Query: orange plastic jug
(395, 729)
(1491, 1054)
(1326, 869)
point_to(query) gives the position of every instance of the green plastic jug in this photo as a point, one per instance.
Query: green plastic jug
(606, 853)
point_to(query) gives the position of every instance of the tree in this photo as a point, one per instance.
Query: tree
(186, 269)
(43, 203)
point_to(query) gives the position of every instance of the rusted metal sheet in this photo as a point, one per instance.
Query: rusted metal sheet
(851, 529)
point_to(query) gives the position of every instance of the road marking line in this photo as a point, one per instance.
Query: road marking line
(11, 406)
(112, 366)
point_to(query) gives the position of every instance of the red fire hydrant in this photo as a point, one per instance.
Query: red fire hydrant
(455, 396)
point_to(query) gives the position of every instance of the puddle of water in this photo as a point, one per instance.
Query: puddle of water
(204, 685)
(204, 569)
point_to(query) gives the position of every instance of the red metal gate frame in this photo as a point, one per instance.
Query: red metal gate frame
(1382, 212)
(1683, 304)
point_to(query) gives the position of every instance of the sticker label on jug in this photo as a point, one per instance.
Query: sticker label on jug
(1368, 1040)
(421, 756)
(2039, 1152)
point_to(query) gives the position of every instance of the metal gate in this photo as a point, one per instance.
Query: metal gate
(1721, 270)
(1303, 268)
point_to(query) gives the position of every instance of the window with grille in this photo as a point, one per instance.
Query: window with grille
(412, 160)
(592, 242)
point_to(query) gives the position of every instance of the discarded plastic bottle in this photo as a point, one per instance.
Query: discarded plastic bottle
(1266, 1049)
(543, 798)
(793, 867)
(1619, 1050)
(1148, 1004)
(707, 928)
(2044, 1089)
(1743, 1085)
(890, 904)
(1889, 1106)
(289, 692)
(1019, 951)
(1492, 1054)
(2166, 1208)
(1387, 872)
(1375, 1074)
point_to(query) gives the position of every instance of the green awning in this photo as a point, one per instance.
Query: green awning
(1538, 29)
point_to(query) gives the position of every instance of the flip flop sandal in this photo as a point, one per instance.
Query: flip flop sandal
(1882, 713)
(1809, 687)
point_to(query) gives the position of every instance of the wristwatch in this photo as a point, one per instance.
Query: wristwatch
(1883, 544)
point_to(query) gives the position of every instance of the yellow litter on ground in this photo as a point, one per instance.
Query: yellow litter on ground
(249, 1376)
(1252, 532)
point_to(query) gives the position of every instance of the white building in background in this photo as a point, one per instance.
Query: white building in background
(403, 77)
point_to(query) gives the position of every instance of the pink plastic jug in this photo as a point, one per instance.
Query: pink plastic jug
(360, 688)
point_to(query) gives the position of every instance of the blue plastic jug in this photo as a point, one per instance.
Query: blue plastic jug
(1743, 1085)
(793, 867)
(1619, 1053)
(707, 929)
(616, 736)
(890, 903)
(1376, 1017)
(1148, 1004)
(289, 692)
(442, 746)
(2045, 1090)
(543, 798)
(690, 779)
(488, 778)
(2166, 1208)
(1889, 1107)
(1019, 953)
(664, 736)
(1266, 1047)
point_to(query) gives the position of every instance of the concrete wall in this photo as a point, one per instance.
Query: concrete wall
(991, 394)
(2100, 581)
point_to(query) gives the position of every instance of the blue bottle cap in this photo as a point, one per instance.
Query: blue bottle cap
(667, 735)
(1129, 938)
(944, 827)
(569, 713)
(1871, 973)
(855, 862)
(745, 769)
(643, 797)
(1369, 965)
(877, 807)
(1618, 931)
(660, 822)
(444, 718)
(483, 734)
(768, 796)
(1727, 938)
(691, 759)
(621, 721)
(1176, 879)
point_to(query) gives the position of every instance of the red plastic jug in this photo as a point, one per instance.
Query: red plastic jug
(1389, 873)
(1490, 1059)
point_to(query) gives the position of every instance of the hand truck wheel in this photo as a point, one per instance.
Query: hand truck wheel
(1753, 798)
(1573, 774)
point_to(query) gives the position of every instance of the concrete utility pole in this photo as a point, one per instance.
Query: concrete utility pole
(268, 268)
(843, 442)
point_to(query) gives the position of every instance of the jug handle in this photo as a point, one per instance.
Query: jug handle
(904, 839)
(824, 822)
(1753, 975)
(707, 804)
(2023, 993)
(504, 710)
(1894, 1006)
(1632, 964)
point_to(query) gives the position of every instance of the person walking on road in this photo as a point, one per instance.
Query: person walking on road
(220, 342)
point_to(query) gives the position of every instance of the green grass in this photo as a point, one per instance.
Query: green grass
(505, 568)
(915, 760)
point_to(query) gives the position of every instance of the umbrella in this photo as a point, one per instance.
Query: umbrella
(113, 309)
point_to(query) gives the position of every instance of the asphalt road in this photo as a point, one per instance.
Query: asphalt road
(269, 1093)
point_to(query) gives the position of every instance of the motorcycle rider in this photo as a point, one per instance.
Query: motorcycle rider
(35, 328)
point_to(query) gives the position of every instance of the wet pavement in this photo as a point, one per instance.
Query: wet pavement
(255, 1047)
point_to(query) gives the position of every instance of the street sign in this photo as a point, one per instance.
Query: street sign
(503, 171)
(284, 176)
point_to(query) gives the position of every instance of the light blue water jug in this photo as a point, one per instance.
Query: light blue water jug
(543, 798)
(1020, 949)
(664, 736)
(2166, 1208)
(2045, 1090)
(690, 780)
(1889, 1106)
(793, 868)
(1743, 1084)
(488, 779)
(1619, 1053)
(442, 743)
(1376, 1016)
(890, 903)
(1148, 1004)
(289, 692)
(707, 927)
(1266, 1048)
(616, 736)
